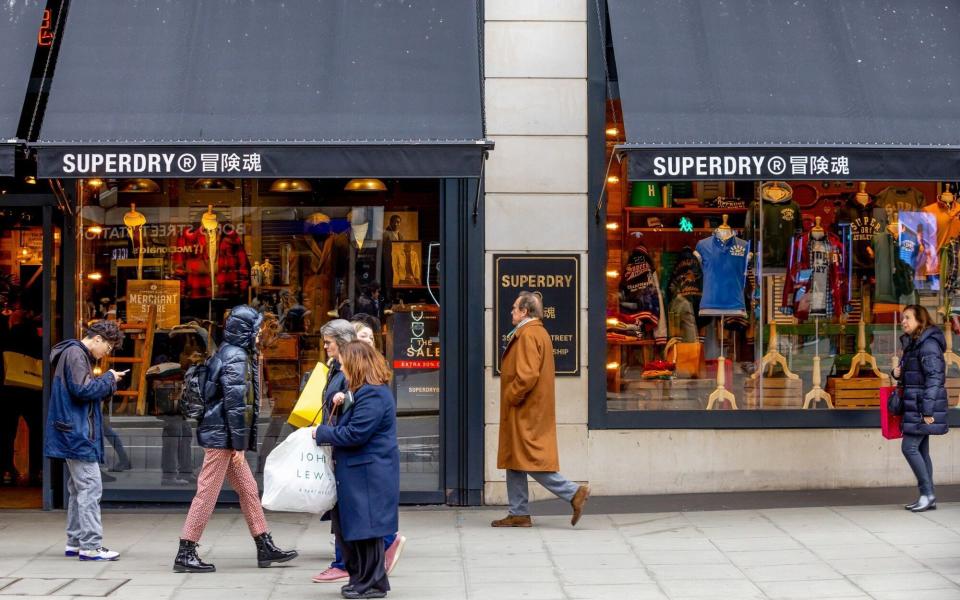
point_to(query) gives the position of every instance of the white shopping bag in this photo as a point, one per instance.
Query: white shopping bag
(298, 476)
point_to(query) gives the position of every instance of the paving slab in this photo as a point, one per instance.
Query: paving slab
(804, 553)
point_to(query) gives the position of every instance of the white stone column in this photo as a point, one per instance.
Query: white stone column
(536, 185)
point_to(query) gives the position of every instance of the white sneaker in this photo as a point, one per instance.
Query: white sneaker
(99, 554)
(71, 551)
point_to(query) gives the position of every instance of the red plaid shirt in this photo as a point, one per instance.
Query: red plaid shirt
(192, 266)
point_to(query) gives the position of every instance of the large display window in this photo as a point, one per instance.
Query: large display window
(170, 258)
(772, 295)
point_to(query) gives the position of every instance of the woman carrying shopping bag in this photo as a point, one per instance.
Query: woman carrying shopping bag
(337, 334)
(367, 468)
(921, 377)
(228, 429)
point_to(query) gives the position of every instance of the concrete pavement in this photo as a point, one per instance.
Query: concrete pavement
(854, 552)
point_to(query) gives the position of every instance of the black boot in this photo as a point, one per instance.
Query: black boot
(925, 503)
(187, 560)
(267, 551)
(912, 505)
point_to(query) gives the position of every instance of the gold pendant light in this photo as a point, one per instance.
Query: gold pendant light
(365, 185)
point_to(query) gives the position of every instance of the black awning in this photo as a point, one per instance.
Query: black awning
(869, 87)
(19, 29)
(338, 88)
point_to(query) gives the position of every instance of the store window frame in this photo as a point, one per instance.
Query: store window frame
(598, 416)
(461, 388)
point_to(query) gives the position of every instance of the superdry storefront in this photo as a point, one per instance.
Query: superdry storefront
(780, 184)
(315, 160)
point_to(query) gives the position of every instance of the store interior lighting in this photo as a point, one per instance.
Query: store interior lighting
(140, 186)
(365, 185)
(214, 185)
(291, 185)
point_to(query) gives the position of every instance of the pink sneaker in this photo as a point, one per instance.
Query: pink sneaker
(392, 556)
(331, 575)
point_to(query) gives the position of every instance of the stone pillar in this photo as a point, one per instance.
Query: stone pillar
(536, 184)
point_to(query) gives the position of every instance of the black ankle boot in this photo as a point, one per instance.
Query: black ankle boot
(925, 503)
(187, 560)
(267, 551)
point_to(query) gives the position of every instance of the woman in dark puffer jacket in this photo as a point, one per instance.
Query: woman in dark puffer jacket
(227, 430)
(921, 376)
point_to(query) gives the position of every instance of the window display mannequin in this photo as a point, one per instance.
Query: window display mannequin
(781, 220)
(134, 222)
(946, 211)
(724, 258)
(864, 217)
(816, 278)
(211, 261)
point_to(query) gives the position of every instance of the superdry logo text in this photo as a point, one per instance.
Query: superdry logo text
(748, 165)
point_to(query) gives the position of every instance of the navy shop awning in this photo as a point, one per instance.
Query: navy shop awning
(20, 22)
(304, 88)
(811, 89)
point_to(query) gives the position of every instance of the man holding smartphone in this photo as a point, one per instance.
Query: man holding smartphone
(74, 432)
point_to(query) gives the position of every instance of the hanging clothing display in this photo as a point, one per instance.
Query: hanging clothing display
(816, 279)
(687, 279)
(724, 275)
(640, 294)
(781, 219)
(191, 264)
(897, 199)
(950, 277)
(865, 221)
(893, 283)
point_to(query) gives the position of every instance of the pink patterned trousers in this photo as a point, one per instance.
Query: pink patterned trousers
(217, 464)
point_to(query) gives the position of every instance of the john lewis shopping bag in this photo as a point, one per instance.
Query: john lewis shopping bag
(298, 476)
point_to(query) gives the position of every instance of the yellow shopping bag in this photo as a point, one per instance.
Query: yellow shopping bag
(20, 370)
(309, 408)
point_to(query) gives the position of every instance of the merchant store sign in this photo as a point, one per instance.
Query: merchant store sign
(556, 277)
(689, 164)
(164, 294)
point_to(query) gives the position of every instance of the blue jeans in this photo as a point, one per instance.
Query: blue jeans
(338, 553)
(916, 449)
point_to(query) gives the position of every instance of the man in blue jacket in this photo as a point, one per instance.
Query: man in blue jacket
(74, 432)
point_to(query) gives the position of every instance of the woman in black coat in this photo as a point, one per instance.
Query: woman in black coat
(920, 376)
(227, 429)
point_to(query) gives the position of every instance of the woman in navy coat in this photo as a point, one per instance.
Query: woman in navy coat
(367, 467)
(921, 380)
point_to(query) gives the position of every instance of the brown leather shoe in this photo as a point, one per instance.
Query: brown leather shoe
(513, 521)
(579, 500)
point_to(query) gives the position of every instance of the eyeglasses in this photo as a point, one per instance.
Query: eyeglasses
(109, 345)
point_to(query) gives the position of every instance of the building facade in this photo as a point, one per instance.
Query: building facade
(552, 146)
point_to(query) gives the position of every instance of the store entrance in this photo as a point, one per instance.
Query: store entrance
(29, 249)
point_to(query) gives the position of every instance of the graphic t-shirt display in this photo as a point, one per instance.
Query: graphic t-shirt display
(779, 219)
(724, 275)
(865, 222)
(897, 199)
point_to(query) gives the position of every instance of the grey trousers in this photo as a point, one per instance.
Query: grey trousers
(518, 495)
(84, 528)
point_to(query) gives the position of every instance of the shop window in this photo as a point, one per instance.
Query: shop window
(772, 295)
(182, 253)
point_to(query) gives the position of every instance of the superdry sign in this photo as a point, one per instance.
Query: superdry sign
(791, 163)
(258, 160)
